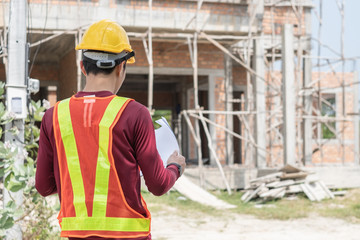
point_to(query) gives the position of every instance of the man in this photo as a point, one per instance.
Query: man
(93, 145)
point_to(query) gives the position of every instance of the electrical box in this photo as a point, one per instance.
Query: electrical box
(16, 101)
(34, 85)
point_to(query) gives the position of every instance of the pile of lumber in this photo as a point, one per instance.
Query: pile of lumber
(289, 180)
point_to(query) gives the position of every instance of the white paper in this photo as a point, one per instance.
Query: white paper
(166, 142)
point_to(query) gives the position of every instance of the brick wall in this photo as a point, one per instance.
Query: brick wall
(162, 100)
(275, 17)
(187, 6)
(192, 145)
(45, 72)
(332, 151)
(220, 119)
(67, 76)
(239, 75)
(177, 55)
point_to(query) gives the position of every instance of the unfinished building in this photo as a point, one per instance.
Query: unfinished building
(213, 67)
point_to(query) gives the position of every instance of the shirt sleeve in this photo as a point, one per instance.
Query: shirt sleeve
(44, 178)
(157, 178)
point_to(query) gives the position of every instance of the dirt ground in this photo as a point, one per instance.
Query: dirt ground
(246, 227)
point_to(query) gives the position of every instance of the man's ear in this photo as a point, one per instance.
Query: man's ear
(119, 68)
(82, 68)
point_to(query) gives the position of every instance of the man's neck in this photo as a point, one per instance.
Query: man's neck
(95, 83)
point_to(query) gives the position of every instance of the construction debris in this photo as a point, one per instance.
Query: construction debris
(288, 181)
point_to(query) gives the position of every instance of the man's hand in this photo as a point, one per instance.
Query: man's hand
(178, 159)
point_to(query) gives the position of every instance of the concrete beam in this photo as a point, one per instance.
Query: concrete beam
(260, 104)
(288, 94)
(174, 71)
(66, 16)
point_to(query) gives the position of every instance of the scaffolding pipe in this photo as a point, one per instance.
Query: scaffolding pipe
(198, 144)
(208, 136)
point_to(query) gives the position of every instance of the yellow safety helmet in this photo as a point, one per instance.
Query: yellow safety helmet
(107, 36)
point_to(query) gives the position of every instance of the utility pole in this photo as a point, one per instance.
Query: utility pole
(16, 92)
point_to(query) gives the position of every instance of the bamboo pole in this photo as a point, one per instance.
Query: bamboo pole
(222, 48)
(198, 144)
(251, 140)
(207, 133)
(52, 37)
(221, 127)
(191, 128)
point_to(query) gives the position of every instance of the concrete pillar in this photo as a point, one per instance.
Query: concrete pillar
(307, 122)
(16, 98)
(356, 119)
(260, 104)
(288, 94)
(307, 98)
(229, 107)
(211, 102)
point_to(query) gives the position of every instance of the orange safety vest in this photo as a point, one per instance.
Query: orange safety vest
(92, 200)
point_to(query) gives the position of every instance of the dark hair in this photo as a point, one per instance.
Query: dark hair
(92, 68)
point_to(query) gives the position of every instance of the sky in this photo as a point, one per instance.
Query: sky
(331, 30)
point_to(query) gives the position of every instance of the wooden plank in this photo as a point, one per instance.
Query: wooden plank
(266, 177)
(300, 181)
(294, 189)
(327, 191)
(288, 168)
(272, 184)
(263, 190)
(254, 193)
(281, 194)
(273, 193)
(315, 191)
(307, 192)
(298, 175)
(246, 195)
(285, 183)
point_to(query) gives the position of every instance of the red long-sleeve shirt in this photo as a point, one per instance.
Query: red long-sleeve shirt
(133, 145)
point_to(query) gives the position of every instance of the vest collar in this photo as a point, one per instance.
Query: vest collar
(97, 94)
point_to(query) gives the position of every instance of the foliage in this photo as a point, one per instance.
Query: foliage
(35, 211)
(161, 113)
(328, 109)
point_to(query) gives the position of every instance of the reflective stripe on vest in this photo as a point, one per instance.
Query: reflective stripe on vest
(98, 221)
